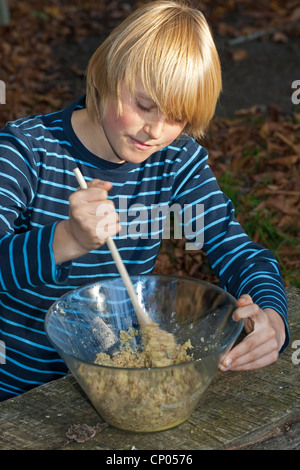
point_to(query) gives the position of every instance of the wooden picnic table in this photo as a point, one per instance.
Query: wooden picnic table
(240, 410)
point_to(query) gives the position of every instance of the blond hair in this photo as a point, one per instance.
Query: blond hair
(169, 47)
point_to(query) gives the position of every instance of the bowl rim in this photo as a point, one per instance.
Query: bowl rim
(165, 276)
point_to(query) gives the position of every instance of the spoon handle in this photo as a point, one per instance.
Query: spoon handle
(141, 314)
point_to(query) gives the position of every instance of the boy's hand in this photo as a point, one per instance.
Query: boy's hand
(92, 220)
(261, 346)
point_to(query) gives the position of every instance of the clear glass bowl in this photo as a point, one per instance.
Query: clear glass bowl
(88, 320)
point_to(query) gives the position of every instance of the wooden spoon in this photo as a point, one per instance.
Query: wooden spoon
(142, 317)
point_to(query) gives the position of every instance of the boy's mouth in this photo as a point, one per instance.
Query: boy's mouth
(140, 145)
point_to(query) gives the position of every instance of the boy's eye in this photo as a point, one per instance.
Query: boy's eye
(143, 108)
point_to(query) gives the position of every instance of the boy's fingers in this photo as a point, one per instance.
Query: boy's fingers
(96, 183)
(92, 194)
(245, 299)
(246, 308)
(247, 311)
(253, 352)
(108, 226)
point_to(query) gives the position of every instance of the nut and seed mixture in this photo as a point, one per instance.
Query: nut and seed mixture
(144, 396)
(159, 349)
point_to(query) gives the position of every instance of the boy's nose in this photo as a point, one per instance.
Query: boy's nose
(155, 128)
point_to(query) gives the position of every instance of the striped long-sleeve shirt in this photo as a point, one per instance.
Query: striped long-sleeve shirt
(37, 158)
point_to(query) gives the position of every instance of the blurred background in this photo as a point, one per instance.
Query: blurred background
(254, 139)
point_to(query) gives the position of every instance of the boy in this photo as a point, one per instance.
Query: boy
(152, 87)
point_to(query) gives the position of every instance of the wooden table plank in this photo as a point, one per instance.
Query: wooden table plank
(254, 410)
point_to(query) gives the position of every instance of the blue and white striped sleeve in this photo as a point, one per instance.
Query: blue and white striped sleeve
(26, 256)
(241, 266)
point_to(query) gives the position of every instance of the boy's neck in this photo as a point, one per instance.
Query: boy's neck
(91, 135)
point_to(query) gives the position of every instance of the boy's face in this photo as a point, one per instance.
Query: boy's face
(140, 130)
